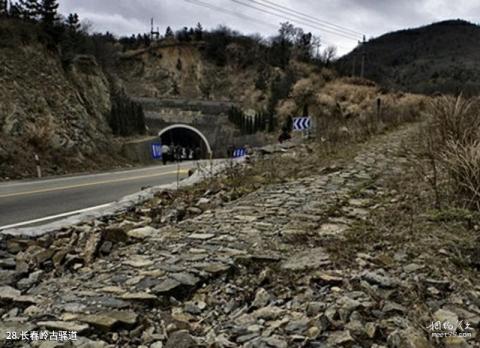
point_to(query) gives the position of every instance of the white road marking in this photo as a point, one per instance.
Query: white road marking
(89, 176)
(53, 217)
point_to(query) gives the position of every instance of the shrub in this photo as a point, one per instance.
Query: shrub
(126, 117)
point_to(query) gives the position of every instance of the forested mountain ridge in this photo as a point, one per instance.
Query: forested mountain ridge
(441, 57)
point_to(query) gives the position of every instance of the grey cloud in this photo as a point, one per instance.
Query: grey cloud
(373, 17)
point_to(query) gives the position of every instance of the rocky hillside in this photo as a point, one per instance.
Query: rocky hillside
(59, 112)
(441, 57)
(173, 69)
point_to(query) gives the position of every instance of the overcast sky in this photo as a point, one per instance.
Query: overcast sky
(372, 17)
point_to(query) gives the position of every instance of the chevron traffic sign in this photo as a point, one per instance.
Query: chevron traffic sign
(239, 152)
(302, 123)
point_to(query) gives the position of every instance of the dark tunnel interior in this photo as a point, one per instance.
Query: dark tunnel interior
(186, 138)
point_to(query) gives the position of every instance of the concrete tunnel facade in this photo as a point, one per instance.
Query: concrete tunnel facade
(186, 136)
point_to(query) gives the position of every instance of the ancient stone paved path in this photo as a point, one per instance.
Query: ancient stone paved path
(138, 292)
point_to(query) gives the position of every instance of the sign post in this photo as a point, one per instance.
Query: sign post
(39, 169)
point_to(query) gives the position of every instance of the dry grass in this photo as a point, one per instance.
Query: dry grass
(448, 151)
(40, 133)
(353, 111)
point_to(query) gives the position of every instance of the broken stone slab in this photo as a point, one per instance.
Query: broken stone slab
(275, 341)
(330, 229)
(326, 278)
(8, 263)
(380, 279)
(166, 287)
(456, 342)
(448, 318)
(201, 236)
(194, 307)
(112, 290)
(125, 317)
(359, 202)
(348, 303)
(102, 322)
(215, 268)
(262, 298)
(181, 339)
(7, 277)
(298, 326)
(268, 313)
(340, 338)
(138, 296)
(32, 279)
(408, 337)
(91, 247)
(393, 307)
(185, 278)
(13, 326)
(358, 213)
(138, 261)
(64, 325)
(108, 320)
(194, 210)
(309, 259)
(413, 267)
(142, 232)
(245, 218)
(9, 293)
(115, 235)
(314, 308)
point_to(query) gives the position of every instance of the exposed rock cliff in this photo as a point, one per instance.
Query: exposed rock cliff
(60, 113)
(180, 70)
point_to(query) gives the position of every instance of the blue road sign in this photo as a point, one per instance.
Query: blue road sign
(156, 151)
(239, 152)
(302, 123)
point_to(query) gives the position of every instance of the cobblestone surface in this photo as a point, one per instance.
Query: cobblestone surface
(256, 272)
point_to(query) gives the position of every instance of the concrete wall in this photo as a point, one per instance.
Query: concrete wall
(140, 150)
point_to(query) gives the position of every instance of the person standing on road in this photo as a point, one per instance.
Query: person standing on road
(165, 153)
(196, 153)
(284, 136)
(184, 154)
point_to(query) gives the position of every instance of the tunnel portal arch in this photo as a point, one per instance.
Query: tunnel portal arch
(180, 126)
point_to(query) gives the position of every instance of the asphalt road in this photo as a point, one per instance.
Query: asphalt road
(27, 203)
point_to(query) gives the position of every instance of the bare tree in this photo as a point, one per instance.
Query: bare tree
(316, 44)
(328, 55)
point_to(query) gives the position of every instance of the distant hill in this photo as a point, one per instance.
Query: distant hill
(441, 57)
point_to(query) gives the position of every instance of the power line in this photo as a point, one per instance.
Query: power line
(236, 14)
(350, 37)
(305, 18)
(233, 13)
(324, 22)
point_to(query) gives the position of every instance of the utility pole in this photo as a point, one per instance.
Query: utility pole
(354, 63)
(154, 35)
(362, 71)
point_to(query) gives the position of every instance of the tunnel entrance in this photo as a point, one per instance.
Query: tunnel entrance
(187, 137)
